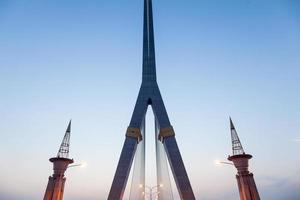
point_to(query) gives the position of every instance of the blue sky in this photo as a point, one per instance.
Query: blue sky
(82, 60)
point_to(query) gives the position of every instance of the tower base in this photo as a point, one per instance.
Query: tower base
(56, 182)
(245, 179)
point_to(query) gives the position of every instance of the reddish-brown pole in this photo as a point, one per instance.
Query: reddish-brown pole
(56, 182)
(245, 179)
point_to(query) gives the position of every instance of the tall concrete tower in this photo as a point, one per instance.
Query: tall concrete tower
(149, 95)
(245, 179)
(56, 182)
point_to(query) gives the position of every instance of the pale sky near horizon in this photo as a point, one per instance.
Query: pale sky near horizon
(82, 60)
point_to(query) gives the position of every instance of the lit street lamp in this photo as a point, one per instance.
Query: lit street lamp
(217, 162)
(153, 191)
(81, 165)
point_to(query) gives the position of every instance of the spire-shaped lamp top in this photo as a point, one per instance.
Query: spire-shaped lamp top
(237, 148)
(149, 71)
(240, 159)
(64, 147)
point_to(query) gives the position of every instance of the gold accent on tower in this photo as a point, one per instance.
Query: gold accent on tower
(134, 133)
(166, 132)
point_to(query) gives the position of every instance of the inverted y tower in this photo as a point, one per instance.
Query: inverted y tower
(56, 182)
(149, 94)
(245, 179)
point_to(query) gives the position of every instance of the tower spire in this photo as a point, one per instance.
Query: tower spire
(56, 182)
(237, 148)
(149, 68)
(149, 94)
(245, 179)
(63, 151)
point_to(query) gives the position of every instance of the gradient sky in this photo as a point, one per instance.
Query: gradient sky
(82, 60)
